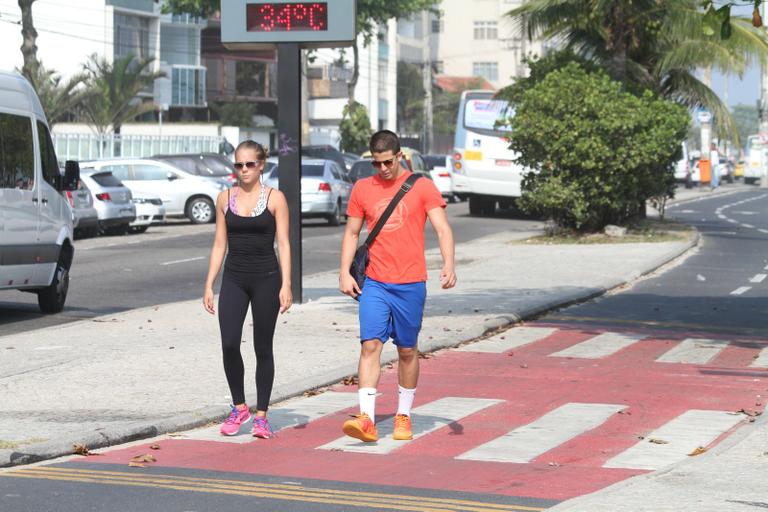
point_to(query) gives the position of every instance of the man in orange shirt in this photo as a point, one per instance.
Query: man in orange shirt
(394, 292)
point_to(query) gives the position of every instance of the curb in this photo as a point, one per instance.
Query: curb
(198, 418)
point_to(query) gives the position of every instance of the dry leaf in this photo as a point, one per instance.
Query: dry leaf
(422, 355)
(81, 449)
(697, 451)
(136, 465)
(554, 464)
(175, 434)
(144, 458)
(154, 446)
(523, 365)
(311, 392)
(628, 413)
(658, 441)
(349, 381)
(749, 412)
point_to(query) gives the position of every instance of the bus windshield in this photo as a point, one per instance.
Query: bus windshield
(482, 114)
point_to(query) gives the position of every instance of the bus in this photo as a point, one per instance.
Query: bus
(484, 169)
(755, 159)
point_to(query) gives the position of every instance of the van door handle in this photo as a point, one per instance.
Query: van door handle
(34, 200)
(45, 201)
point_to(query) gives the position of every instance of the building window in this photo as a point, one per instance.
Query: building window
(437, 25)
(188, 87)
(487, 70)
(439, 67)
(486, 30)
(131, 36)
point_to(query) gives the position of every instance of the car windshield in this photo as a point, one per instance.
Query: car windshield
(362, 169)
(216, 167)
(106, 179)
(185, 164)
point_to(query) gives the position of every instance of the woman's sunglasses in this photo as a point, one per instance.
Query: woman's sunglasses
(383, 163)
(248, 165)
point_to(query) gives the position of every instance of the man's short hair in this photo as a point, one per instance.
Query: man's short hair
(383, 141)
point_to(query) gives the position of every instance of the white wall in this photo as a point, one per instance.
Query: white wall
(67, 35)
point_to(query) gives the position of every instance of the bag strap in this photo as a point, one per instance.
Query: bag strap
(404, 188)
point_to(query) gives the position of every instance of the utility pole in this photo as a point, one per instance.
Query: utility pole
(706, 129)
(762, 109)
(428, 141)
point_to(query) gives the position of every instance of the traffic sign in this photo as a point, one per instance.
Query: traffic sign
(704, 116)
(250, 25)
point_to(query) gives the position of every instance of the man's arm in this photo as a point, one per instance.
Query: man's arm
(439, 220)
(349, 243)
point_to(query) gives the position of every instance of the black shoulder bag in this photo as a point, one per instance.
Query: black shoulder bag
(360, 261)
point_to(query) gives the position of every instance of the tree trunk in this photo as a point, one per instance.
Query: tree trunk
(355, 75)
(29, 36)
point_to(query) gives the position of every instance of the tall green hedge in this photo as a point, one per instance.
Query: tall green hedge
(597, 151)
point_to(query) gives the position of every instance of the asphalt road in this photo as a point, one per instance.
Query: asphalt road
(721, 288)
(169, 264)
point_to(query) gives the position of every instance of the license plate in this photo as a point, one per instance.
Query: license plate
(504, 163)
(126, 210)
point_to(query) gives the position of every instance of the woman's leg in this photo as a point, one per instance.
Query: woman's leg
(233, 306)
(265, 306)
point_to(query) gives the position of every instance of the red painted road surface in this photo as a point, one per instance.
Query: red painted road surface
(530, 383)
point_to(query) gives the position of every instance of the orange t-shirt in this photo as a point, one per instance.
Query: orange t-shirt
(397, 253)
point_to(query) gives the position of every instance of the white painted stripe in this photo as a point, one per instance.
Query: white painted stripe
(183, 261)
(682, 435)
(721, 216)
(759, 278)
(733, 221)
(289, 414)
(693, 351)
(425, 419)
(740, 290)
(525, 443)
(603, 345)
(763, 230)
(765, 268)
(762, 359)
(748, 226)
(513, 338)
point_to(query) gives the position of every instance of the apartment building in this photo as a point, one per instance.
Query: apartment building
(475, 38)
(69, 33)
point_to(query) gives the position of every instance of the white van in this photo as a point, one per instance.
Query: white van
(35, 219)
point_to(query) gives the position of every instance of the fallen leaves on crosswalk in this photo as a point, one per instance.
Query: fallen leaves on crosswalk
(697, 451)
(139, 461)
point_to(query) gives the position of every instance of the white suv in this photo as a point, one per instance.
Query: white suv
(36, 249)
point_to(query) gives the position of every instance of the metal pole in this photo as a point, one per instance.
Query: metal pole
(289, 150)
(763, 106)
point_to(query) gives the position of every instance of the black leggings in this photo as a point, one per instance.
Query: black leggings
(261, 292)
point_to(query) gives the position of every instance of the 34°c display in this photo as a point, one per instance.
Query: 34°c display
(287, 17)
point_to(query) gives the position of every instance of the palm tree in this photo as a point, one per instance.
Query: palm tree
(651, 44)
(115, 89)
(57, 97)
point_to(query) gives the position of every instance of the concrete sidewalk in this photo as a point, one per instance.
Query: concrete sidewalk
(123, 377)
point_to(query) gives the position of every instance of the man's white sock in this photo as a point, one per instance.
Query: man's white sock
(367, 397)
(405, 400)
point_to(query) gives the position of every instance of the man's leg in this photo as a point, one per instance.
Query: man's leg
(369, 372)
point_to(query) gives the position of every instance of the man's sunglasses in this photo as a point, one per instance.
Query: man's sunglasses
(248, 165)
(383, 163)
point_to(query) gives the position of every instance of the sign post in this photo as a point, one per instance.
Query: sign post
(290, 26)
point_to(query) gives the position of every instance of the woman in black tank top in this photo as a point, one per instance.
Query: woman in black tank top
(249, 218)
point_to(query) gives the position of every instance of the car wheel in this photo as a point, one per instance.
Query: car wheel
(138, 229)
(200, 210)
(475, 206)
(334, 219)
(118, 230)
(51, 299)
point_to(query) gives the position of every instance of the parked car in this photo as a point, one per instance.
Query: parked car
(113, 200)
(439, 167)
(149, 210)
(326, 152)
(206, 165)
(349, 159)
(683, 166)
(36, 233)
(361, 169)
(85, 218)
(325, 189)
(183, 194)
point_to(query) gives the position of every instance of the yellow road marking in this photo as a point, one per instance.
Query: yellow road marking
(272, 491)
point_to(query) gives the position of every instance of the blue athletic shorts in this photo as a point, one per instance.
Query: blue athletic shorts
(392, 311)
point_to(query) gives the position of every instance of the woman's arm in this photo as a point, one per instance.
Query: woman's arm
(217, 252)
(283, 247)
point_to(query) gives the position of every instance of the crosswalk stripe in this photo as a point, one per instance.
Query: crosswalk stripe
(425, 419)
(289, 414)
(762, 359)
(513, 338)
(675, 440)
(693, 351)
(602, 345)
(525, 443)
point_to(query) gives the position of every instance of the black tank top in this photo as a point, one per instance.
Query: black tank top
(251, 242)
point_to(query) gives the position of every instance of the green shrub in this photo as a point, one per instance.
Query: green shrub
(597, 151)
(355, 128)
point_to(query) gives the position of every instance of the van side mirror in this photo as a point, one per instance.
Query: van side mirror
(171, 176)
(71, 175)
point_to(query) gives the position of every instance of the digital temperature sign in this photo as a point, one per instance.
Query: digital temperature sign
(297, 16)
(254, 24)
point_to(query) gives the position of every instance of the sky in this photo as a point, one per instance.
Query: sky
(744, 90)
